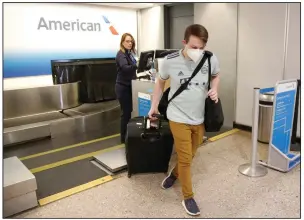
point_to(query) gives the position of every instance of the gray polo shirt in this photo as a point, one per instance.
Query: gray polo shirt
(188, 107)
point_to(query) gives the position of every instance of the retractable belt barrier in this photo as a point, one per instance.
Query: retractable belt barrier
(279, 156)
(253, 169)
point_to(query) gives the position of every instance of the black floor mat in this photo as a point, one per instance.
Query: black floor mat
(70, 153)
(65, 177)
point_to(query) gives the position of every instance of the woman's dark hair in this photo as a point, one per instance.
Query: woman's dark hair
(123, 37)
(198, 31)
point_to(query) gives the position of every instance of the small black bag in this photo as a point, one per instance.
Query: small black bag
(164, 101)
(214, 117)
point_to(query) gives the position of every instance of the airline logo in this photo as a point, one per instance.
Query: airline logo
(110, 25)
(76, 25)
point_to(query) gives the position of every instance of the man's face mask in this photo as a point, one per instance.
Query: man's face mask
(194, 54)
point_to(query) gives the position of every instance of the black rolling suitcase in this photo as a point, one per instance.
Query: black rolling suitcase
(148, 150)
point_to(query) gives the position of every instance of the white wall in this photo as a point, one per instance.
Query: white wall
(28, 50)
(220, 19)
(268, 51)
(292, 69)
(151, 28)
(260, 59)
(293, 51)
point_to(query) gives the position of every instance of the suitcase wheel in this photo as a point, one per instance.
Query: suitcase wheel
(129, 175)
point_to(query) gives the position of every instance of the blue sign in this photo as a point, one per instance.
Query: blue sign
(283, 116)
(266, 90)
(144, 104)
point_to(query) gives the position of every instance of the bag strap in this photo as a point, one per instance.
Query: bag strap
(207, 54)
(209, 73)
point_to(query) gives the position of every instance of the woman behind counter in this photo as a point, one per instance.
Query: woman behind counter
(126, 72)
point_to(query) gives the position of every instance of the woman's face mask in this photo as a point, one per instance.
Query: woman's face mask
(194, 54)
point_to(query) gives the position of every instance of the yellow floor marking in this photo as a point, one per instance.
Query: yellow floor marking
(225, 134)
(68, 147)
(74, 159)
(74, 190)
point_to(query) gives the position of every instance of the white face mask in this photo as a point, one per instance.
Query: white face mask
(194, 54)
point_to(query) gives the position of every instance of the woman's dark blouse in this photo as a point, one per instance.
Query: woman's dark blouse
(126, 68)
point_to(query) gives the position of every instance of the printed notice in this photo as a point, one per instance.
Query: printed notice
(144, 104)
(283, 116)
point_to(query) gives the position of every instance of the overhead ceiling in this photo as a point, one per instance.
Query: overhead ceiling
(129, 5)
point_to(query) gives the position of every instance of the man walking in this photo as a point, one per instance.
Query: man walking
(186, 111)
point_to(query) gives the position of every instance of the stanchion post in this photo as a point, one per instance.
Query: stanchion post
(255, 127)
(253, 169)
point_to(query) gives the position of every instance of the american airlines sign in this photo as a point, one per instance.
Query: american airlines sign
(76, 25)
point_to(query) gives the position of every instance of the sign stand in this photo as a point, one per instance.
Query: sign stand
(279, 157)
(253, 169)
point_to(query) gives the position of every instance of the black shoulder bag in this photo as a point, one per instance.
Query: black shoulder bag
(164, 101)
(214, 117)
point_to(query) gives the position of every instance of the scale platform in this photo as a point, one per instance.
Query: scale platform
(114, 160)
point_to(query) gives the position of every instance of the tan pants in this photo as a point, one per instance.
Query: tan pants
(187, 138)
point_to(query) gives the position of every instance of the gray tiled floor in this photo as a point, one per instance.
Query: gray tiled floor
(220, 190)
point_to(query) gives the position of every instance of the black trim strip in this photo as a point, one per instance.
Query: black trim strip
(266, 103)
(174, 53)
(242, 127)
(171, 57)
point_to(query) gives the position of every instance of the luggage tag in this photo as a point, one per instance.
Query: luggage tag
(148, 124)
(151, 124)
(149, 133)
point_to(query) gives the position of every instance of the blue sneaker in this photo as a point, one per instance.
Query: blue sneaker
(191, 207)
(169, 181)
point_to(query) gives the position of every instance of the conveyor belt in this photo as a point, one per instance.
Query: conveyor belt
(44, 117)
(94, 107)
(48, 144)
(81, 119)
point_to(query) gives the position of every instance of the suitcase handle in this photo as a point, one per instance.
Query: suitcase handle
(144, 135)
(158, 116)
